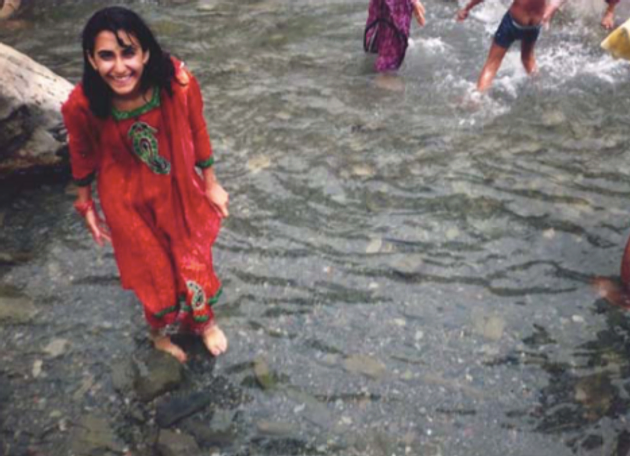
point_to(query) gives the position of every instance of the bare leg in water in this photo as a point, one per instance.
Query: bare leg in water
(490, 68)
(527, 57)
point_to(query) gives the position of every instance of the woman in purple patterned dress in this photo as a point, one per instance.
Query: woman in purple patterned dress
(387, 30)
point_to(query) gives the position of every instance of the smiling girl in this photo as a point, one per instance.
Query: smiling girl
(135, 123)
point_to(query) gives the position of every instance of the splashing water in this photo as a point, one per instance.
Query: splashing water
(586, 8)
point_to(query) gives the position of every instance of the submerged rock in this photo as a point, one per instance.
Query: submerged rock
(363, 170)
(490, 327)
(16, 310)
(12, 258)
(553, 118)
(158, 374)
(56, 347)
(366, 365)
(173, 444)
(316, 412)
(264, 376)
(221, 431)
(93, 435)
(257, 164)
(276, 428)
(123, 375)
(36, 371)
(408, 266)
(177, 408)
(374, 246)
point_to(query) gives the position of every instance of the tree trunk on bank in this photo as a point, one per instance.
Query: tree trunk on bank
(31, 126)
(8, 8)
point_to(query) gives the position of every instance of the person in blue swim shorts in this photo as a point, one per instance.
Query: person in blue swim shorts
(522, 22)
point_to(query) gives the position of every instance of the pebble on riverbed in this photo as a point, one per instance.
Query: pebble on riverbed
(56, 347)
(173, 444)
(93, 435)
(16, 310)
(491, 327)
(276, 428)
(264, 376)
(175, 409)
(366, 365)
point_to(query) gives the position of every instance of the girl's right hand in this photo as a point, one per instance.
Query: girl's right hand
(462, 14)
(98, 228)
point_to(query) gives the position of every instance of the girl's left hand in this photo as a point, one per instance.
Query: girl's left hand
(419, 12)
(218, 198)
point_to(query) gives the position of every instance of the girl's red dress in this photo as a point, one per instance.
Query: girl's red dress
(161, 222)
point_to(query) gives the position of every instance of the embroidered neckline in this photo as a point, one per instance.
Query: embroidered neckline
(154, 102)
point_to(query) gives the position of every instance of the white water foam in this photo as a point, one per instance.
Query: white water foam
(566, 61)
(434, 45)
(586, 8)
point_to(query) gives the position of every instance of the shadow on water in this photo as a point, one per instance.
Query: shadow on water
(586, 403)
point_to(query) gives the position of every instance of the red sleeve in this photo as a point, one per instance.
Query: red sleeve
(83, 157)
(203, 148)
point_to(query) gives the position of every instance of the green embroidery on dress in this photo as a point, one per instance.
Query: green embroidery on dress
(85, 181)
(163, 312)
(213, 300)
(198, 300)
(153, 103)
(205, 163)
(145, 146)
(180, 306)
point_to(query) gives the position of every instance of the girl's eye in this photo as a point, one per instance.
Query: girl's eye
(129, 52)
(105, 55)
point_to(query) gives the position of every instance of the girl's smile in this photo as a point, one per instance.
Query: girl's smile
(120, 61)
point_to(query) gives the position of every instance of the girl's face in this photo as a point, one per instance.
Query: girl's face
(120, 67)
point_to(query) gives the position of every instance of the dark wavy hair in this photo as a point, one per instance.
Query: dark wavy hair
(159, 70)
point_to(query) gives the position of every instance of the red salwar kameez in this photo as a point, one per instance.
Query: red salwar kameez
(162, 225)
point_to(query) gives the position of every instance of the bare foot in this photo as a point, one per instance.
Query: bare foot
(215, 340)
(608, 21)
(164, 343)
(611, 292)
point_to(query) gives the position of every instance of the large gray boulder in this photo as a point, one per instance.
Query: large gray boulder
(31, 126)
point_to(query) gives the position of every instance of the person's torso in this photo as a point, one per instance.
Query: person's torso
(528, 12)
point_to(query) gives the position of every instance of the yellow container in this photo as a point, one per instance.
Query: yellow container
(618, 42)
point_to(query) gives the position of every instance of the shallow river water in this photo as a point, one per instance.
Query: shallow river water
(406, 271)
